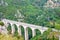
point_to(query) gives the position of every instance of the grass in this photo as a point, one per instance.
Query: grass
(10, 37)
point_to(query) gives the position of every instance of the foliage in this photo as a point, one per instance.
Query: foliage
(1, 23)
(34, 12)
(47, 32)
(47, 36)
(16, 31)
(9, 29)
(10, 37)
(57, 26)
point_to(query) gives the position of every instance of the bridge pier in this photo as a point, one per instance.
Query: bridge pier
(59, 37)
(12, 28)
(26, 34)
(33, 32)
(19, 30)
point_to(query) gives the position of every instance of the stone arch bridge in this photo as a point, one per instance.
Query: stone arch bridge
(25, 26)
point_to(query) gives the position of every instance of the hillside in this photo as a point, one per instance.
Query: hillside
(32, 11)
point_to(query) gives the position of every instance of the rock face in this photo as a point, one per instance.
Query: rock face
(3, 30)
(2, 3)
(52, 4)
(54, 34)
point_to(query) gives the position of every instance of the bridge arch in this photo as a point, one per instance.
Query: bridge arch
(16, 29)
(9, 28)
(22, 30)
(29, 32)
(37, 32)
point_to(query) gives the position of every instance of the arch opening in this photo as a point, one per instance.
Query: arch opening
(29, 33)
(16, 30)
(22, 30)
(37, 32)
(9, 28)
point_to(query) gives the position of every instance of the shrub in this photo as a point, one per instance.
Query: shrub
(57, 26)
(10, 37)
(1, 23)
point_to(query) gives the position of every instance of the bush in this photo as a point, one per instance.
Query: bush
(1, 23)
(57, 26)
(10, 37)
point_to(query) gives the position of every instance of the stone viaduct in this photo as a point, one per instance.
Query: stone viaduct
(25, 26)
